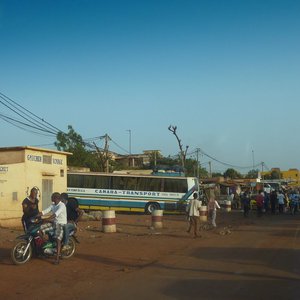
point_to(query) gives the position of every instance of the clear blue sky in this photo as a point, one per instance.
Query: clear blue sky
(227, 73)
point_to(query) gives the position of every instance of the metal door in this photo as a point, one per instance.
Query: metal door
(47, 190)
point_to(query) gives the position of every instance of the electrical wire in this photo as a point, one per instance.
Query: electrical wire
(120, 147)
(22, 128)
(227, 164)
(4, 117)
(15, 105)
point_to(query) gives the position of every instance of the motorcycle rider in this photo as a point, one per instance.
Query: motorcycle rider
(73, 215)
(30, 207)
(58, 217)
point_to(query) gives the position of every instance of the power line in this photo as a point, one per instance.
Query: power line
(120, 147)
(6, 119)
(39, 119)
(227, 164)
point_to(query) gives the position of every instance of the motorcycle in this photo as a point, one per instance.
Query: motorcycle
(31, 244)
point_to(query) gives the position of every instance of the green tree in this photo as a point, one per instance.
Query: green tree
(191, 169)
(217, 174)
(73, 142)
(252, 174)
(276, 174)
(233, 174)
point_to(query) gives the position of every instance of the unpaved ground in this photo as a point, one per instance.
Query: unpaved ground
(258, 260)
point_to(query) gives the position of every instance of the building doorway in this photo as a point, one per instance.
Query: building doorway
(47, 190)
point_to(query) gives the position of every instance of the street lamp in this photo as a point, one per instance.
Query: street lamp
(129, 130)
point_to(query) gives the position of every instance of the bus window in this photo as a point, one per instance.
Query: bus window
(117, 183)
(102, 182)
(142, 184)
(89, 182)
(175, 185)
(130, 183)
(75, 180)
(155, 184)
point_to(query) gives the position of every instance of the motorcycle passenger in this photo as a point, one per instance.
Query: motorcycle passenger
(59, 217)
(30, 207)
(73, 215)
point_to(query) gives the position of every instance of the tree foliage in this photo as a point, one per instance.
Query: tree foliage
(232, 174)
(252, 174)
(190, 165)
(274, 174)
(217, 174)
(73, 142)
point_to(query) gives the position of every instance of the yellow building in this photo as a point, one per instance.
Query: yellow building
(22, 168)
(292, 176)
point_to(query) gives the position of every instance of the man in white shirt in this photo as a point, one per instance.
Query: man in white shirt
(193, 211)
(213, 205)
(58, 216)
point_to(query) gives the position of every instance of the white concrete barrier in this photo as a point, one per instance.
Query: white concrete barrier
(203, 213)
(157, 218)
(109, 221)
(228, 205)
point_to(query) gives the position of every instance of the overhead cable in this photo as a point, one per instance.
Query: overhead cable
(44, 124)
(227, 164)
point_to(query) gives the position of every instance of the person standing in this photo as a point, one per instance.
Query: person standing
(267, 202)
(259, 203)
(213, 205)
(246, 203)
(293, 202)
(30, 206)
(193, 212)
(280, 197)
(273, 200)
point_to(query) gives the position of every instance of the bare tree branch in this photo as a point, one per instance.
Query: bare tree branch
(173, 129)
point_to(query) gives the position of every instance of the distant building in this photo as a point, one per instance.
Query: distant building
(292, 176)
(136, 160)
(22, 168)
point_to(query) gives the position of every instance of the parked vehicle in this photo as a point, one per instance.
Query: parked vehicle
(31, 244)
(139, 193)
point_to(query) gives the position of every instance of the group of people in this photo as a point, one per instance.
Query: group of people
(276, 201)
(61, 217)
(193, 213)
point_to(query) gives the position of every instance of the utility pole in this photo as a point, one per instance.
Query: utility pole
(253, 159)
(103, 154)
(107, 138)
(129, 131)
(210, 173)
(198, 167)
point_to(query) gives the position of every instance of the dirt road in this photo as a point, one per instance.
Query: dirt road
(258, 260)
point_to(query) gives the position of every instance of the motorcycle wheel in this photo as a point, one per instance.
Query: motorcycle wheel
(17, 253)
(70, 249)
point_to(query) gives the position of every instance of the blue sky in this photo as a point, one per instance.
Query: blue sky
(225, 72)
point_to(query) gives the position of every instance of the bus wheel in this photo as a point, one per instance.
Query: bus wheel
(151, 206)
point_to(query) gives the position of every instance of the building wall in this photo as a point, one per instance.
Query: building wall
(12, 190)
(292, 174)
(11, 157)
(44, 169)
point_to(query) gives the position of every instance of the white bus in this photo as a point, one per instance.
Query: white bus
(102, 191)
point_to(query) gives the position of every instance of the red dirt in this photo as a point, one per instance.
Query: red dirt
(258, 260)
